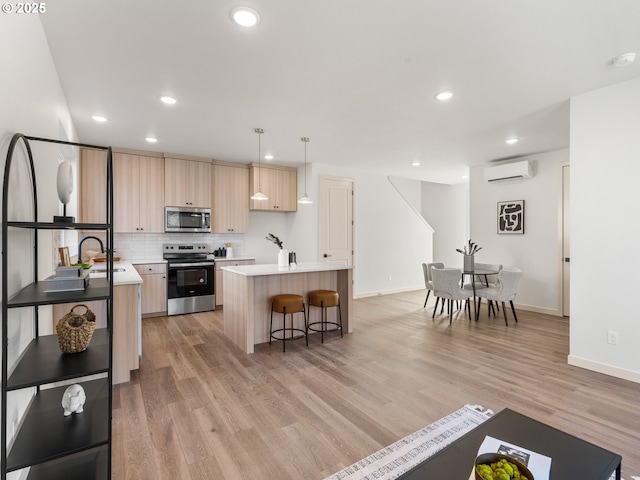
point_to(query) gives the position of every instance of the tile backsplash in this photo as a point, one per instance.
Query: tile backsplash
(135, 247)
(144, 247)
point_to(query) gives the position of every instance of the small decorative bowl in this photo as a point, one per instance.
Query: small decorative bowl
(489, 458)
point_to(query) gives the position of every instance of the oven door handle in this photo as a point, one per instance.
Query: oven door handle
(194, 264)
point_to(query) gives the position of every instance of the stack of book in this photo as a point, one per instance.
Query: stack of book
(67, 279)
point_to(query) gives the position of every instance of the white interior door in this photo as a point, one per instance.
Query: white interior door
(336, 221)
(566, 254)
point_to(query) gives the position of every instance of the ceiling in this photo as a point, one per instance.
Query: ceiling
(356, 76)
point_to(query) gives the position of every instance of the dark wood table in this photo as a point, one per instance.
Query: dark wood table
(571, 457)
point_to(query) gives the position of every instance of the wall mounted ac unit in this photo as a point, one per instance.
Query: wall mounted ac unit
(509, 171)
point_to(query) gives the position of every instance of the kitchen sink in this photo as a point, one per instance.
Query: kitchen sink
(103, 270)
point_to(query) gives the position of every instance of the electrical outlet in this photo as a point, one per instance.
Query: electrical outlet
(612, 337)
(389, 277)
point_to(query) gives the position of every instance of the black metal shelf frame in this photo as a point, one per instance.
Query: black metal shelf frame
(59, 435)
(78, 446)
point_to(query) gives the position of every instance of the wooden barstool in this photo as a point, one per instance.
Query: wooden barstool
(287, 303)
(325, 299)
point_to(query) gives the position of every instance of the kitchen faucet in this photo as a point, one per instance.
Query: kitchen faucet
(82, 241)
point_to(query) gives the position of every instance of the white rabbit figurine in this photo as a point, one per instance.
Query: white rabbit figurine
(73, 400)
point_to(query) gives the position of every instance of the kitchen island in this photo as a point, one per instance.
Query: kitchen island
(248, 290)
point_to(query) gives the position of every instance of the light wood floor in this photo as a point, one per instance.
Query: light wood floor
(200, 409)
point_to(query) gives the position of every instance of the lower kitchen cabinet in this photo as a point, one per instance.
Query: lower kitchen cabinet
(126, 331)
(126, 315)
(218, 280)
(154, 288)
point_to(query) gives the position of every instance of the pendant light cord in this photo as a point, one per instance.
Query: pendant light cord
(259, 132)
(305, 198)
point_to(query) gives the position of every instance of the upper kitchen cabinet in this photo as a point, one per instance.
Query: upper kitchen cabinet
(187, 182)
(138, 185)
(93, 193)
(278, 183)
(138, 190)
(230, 198)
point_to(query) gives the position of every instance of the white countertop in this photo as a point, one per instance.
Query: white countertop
(273, 269)
(233, 259)
(129, 276)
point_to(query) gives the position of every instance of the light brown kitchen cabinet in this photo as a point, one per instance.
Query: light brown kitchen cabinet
(187, 183)
(278, 183)
(125, 328)
(92, 189)
(154, 288)
(218, 275)
(230, 199)
(138, 193)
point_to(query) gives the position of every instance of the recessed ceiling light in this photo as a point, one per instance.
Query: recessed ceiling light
(511, 141)
(99, 118)
(624, 59)
(245, 16)
(415, 164)
(168, 100)
(444, 95)
(151, 139)
(465, 176)
(268, 157)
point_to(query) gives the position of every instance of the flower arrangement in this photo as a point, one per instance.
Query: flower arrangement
(469, 249)
(272, 238)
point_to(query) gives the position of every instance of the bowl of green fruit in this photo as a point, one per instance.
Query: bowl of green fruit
(496, 466)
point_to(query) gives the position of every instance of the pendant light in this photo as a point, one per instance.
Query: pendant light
(305, 198)
(259, 195)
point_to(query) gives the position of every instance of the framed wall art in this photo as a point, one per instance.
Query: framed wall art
(511, 217)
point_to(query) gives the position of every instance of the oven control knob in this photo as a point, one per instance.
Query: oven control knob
(202, 280)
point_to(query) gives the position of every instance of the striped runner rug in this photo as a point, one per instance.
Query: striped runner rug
(401, 456)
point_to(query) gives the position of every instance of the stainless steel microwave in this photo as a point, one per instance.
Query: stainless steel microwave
(187, 219)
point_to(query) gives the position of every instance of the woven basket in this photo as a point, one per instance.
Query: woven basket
(75, 330)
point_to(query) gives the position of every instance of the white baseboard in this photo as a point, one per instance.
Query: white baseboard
(389, 292)
(543, 310)
(604, 368)
(518, 306)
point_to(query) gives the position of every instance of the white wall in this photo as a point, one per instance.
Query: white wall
(32, 103)
(537, 251)
(446, 209)
(605, 167)
(389, 239)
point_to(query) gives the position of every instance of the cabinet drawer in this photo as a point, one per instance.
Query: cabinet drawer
(147, 268)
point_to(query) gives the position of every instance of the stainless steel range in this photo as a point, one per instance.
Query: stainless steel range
(191, 275)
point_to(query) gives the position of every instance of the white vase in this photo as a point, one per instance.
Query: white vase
(283, 258)
(229, 252)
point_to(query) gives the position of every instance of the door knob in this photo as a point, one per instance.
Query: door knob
(326, 255)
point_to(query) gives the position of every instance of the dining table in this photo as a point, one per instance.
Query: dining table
(481, 272)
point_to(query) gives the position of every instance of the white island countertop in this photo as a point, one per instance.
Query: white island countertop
(273, 269)
(123, 273)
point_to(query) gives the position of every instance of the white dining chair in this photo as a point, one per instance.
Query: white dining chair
(505, 291)
(446, 286)
(483, 281)
(428, 282)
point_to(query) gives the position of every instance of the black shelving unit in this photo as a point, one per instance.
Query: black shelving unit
(76, 447)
